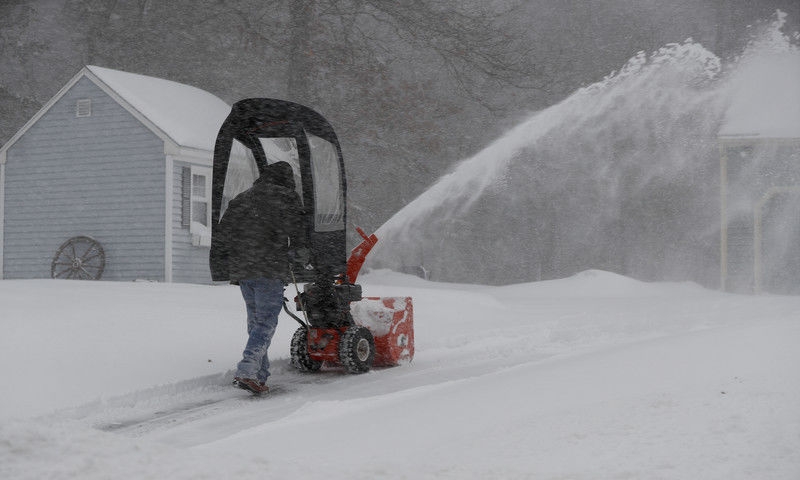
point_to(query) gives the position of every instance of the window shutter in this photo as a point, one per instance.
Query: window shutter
(186, 196)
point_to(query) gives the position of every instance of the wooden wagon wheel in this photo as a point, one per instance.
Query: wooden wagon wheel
(80, 258)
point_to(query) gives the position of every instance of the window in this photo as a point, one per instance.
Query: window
(242, 169)
(242, 172)
(284, 149)
(328, 194)
(196, 197)
(83, 107)
(200, 199)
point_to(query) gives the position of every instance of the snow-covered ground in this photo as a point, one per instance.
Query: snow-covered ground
(596, 376)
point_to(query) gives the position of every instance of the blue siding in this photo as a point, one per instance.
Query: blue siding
(101, 176)
(189, 262)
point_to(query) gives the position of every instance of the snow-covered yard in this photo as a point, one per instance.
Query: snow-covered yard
(596, 376)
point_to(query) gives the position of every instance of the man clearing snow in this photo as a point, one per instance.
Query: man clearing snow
(256, 234)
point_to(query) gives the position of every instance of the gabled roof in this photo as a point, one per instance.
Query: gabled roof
(187, 116)
(766, 99)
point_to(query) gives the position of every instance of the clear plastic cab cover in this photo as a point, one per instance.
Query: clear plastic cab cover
(243, 171)
(325, 172)
(328, 191)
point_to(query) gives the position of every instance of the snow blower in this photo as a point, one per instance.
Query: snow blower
(340, 327)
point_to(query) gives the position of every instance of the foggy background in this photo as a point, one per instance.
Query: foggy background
(412, 88)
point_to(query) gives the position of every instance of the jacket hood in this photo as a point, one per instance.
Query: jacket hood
(278, 173)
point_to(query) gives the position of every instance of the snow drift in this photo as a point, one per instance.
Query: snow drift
(596, 376)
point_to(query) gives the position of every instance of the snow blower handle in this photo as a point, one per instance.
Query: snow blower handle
(299, 300)
(359, 254)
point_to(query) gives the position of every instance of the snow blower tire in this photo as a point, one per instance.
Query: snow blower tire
(299, 351)
(357, 349)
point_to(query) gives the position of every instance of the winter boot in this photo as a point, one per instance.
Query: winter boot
(251, 385)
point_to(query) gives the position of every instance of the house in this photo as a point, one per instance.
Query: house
(111, 179)
(760, 178)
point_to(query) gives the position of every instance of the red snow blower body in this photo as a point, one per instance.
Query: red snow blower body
(338, 326)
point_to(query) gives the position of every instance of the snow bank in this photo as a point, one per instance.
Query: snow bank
(589, 377)
(86, 340)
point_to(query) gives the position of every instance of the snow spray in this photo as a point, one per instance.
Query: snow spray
(623, 175)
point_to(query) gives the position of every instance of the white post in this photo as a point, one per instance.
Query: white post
(168, 187)
(2, 209)
(723, 244)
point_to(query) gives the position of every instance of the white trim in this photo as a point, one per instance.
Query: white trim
(85, 72)
(2, 209)
(43, 110)
(201, 234)
(189, 155)
(723, 215)
(127, 106)
(168, 200)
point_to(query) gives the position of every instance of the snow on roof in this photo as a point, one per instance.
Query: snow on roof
(766, 101)
(188, 115)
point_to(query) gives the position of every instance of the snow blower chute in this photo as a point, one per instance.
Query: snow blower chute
(339, 325)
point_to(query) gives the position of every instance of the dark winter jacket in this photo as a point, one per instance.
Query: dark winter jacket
(259, 228)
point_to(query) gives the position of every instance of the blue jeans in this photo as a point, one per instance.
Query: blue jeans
(263, 298)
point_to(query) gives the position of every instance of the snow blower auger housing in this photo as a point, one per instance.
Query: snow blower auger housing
(339, 326)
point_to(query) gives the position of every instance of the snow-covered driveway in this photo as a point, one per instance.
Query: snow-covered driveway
(590, 377)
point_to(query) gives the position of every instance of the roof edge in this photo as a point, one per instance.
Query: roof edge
(755, 138)
(85, 72)
(35, 118)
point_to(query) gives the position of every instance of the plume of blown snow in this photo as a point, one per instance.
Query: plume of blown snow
(621, 175)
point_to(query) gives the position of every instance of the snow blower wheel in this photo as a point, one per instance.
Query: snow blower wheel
(357, 349)
(301, 360)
